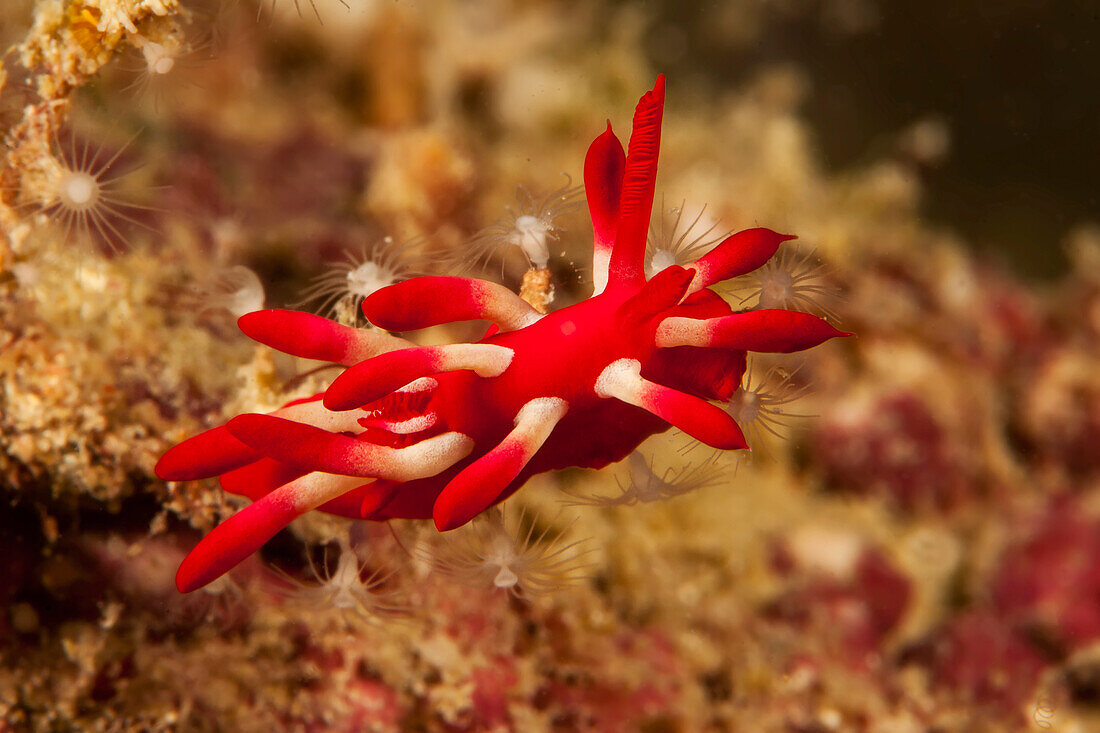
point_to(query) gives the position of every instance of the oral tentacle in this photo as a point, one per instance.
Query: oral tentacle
(309, 447)
(771, 331)
(698, 418)
(243, 533)
(375, 378)
(604, 166)
(627, 266)
(480, 484)
(738, 254)
(313, 337)
(431, 301)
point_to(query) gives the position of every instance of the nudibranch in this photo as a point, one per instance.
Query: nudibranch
(448, 431)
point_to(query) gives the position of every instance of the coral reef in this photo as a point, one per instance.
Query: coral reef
(917, 553)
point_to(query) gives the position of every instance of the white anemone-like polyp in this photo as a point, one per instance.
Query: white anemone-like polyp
(222, 602)
(350, 586)
(530, 227)
(156, 61)
(78, 190)
(792, 280)
(760, 405)
(645, 483)
(164, 57)
(341, 289)
(81, 194)
(159, 59)
(236, 289)
(674, 240)
(509, 554)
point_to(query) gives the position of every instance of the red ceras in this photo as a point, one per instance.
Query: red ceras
(448, 431)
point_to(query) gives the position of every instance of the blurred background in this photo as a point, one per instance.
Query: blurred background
(1005, 86)
(913, 542)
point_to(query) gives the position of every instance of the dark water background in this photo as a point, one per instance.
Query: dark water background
(1016, 81)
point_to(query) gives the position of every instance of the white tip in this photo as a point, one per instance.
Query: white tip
(619, 378)
(424, 384)
(487, 360)
(429, 457)
(542, 410)
(678, 331)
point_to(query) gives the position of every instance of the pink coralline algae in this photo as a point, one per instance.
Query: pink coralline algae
(980, 658)
(892, 445)
(448, 431)
(1049, 584)
(859, 604)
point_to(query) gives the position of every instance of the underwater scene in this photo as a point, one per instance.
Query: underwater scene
(549, 365)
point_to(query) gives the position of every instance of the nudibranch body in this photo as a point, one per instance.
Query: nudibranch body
(448, 431)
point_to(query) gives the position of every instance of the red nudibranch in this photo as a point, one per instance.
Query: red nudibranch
(448, 431)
